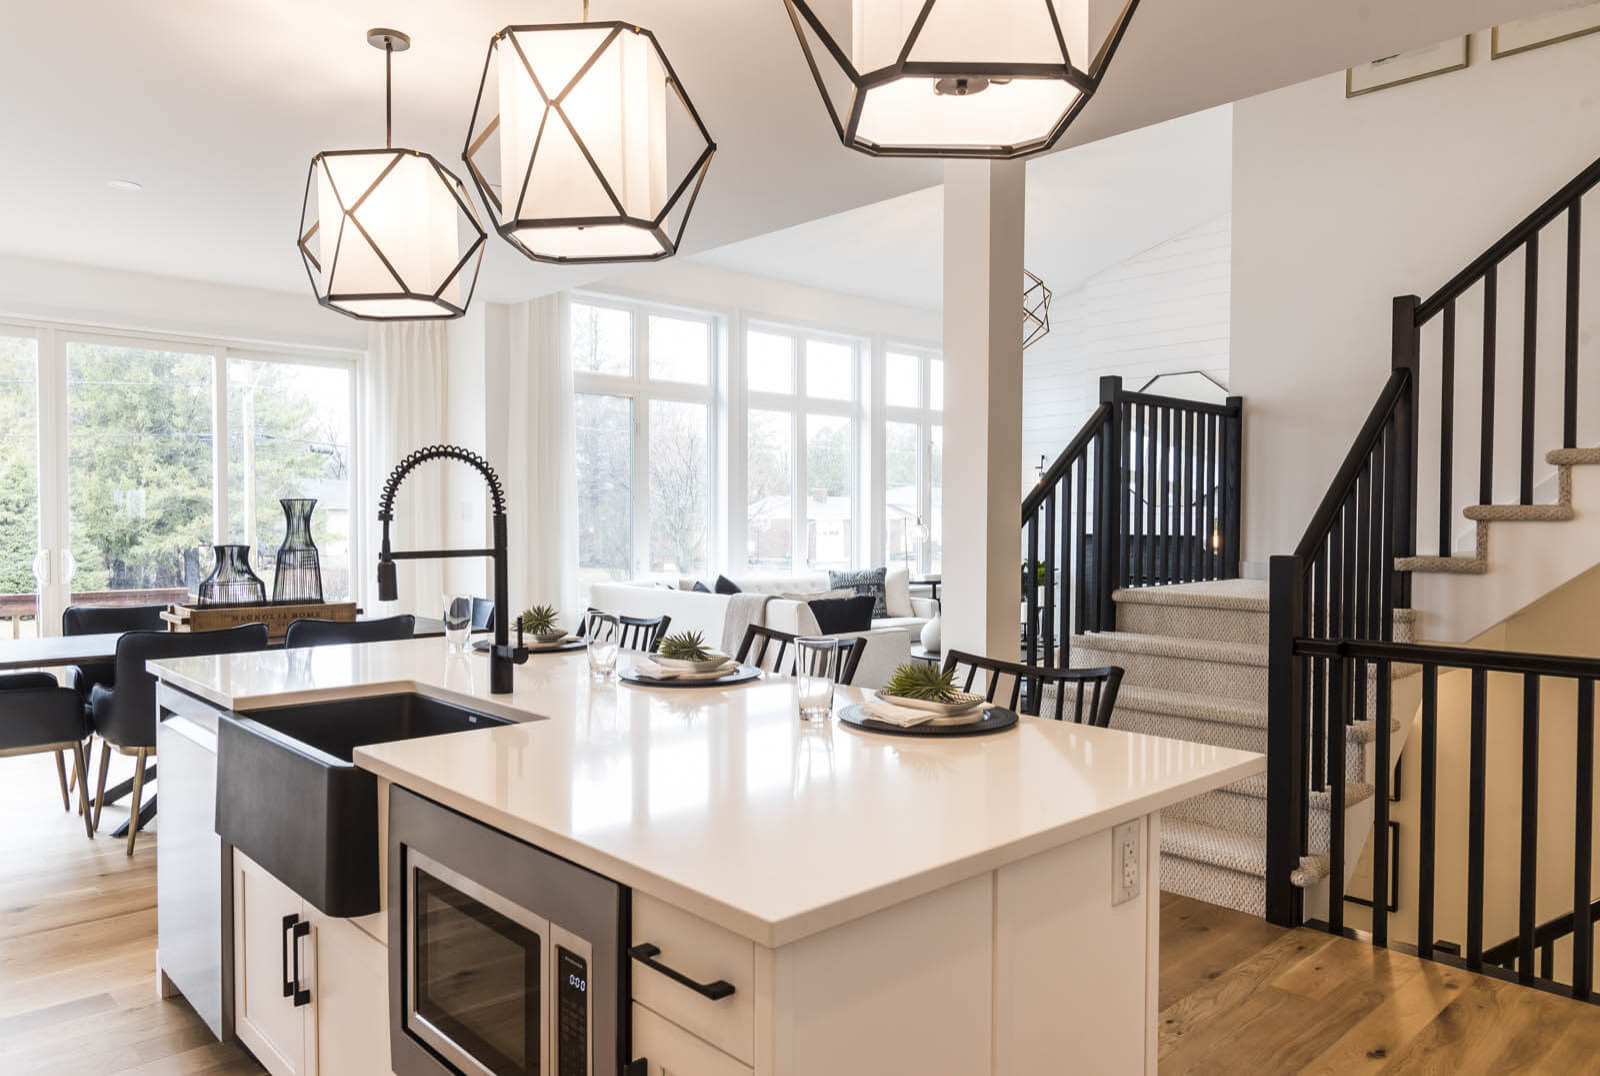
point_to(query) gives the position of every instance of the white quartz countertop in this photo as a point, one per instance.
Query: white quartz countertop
(720, 801)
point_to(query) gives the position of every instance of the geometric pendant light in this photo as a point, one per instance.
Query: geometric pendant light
(389, 234)
(1035, 310)
(958, 78)
(583, 145)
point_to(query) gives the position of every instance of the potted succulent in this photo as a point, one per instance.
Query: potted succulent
(539, 624)
(687, 652)
(922, 686)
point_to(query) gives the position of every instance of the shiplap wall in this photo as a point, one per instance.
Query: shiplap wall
(1162, 311)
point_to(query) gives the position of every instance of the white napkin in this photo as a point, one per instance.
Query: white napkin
(901, 716)
(651, 671)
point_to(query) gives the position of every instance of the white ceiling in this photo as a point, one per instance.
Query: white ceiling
(216, 106)
(1089, 208)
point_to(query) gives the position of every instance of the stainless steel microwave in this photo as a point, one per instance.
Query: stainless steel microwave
(504, 960)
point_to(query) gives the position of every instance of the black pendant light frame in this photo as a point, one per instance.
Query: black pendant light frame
(1035, 310)
(388, 40)
(1085, 79)
(691, 183)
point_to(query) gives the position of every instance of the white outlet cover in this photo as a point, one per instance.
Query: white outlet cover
(1126, 861)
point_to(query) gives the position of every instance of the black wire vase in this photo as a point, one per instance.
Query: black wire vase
(231, 581)
(299, 577)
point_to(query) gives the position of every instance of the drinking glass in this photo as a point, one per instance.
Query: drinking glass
(816, 662)
(603, 631)
(457, 621)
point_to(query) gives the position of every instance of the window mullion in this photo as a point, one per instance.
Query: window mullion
(220, 449)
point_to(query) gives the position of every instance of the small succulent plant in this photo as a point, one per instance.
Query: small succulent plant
(922, 681)
(540, 620)
(684, 646)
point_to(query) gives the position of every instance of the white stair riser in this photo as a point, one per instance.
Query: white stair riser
(1193, 622)
(1176, 673)
(1240, 813)
(1213, 884)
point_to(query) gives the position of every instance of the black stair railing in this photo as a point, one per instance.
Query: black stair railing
(1331, 649)
(1147, 493)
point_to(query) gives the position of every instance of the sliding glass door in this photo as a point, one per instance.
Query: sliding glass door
(19, 486)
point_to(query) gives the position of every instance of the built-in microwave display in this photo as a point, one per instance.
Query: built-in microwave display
(572, 1013)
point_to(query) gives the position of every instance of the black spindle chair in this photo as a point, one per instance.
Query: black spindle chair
(771, 657)
(308, 631)
(641, 633)
(1093, 692)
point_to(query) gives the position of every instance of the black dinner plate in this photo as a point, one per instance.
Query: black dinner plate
(995, 719)
(742, 675)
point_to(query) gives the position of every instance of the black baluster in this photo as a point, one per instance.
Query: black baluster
(1530, 360)
(1486, 421)
(1447, 430)
(1569, 387)
(1429, 804)
(1530, 827)
(1583, 847)
(1477, 767)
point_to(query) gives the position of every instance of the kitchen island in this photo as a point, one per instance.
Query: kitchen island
(879, 904)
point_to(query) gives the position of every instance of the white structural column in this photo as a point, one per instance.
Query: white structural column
(983, 232)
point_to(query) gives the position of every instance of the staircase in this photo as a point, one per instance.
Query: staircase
(1195, 662)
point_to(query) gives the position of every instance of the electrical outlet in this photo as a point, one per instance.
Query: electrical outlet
(1125, 861)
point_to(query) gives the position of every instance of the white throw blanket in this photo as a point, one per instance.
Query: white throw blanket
(743, 611)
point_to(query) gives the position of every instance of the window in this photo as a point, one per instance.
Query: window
(645, 378)
(289, 436)
(125, 458)
(913, 444)
(802, 449)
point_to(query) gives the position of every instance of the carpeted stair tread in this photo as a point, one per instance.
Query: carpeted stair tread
(1198, 707)
(1520, 513)
(1238, 852)
(1247, 595)
(1572, 457)
(1446, 565)
(1256, 786)
(1171, 646)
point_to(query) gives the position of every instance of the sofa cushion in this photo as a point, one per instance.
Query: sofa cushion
(725, 585)
(866, 581)
(700, 588)
(835, 615)
(897, 591)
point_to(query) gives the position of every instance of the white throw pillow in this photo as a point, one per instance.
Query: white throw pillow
(897, 591)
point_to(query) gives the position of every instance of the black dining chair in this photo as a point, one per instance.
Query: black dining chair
(483, 614)
(1035, 690)
(777, 645)
(312, 632)
(100, 620)
(641, 633)
(124, 716)
(38, 716)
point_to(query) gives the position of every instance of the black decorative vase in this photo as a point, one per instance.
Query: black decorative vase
(299, 577)
(232, 582)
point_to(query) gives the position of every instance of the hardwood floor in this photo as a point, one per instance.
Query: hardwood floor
(78, 994)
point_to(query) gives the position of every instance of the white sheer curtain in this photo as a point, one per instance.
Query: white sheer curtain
(541, 457)
(404, 407)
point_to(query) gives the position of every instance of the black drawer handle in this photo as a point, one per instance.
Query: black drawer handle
(646, 954)
(293, 930)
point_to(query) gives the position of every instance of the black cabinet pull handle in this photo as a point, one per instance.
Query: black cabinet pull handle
(293, 930)
(646, 954)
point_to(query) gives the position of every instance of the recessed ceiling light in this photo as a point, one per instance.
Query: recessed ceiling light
(124, 185)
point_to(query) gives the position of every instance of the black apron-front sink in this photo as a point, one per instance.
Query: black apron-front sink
(290, 797)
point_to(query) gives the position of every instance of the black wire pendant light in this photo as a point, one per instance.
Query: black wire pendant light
(1035, 310)
(957, 78)
(389, 234)
(584, 145)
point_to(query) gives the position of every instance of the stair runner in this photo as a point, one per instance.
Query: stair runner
(1194, 657)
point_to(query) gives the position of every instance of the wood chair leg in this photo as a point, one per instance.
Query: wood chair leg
(80, 770)
(100, 792)
(61, 774)
(135, 803)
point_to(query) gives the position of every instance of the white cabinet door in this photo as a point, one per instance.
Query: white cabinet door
(671, 1051)
(351, 999)
(266, 1021)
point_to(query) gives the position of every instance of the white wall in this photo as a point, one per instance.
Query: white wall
(1164, 310)
(1339, 205)
(59, 291)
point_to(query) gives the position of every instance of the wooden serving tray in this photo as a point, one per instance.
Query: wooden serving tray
(277, 618)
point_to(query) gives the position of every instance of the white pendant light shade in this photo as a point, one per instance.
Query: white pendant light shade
(389, 234)
(583, 145)
(956, 78)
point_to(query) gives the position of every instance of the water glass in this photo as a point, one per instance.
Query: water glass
(603, 633)
(816, 663)
(457, 621)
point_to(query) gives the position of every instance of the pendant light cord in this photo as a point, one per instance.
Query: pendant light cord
(388, 94)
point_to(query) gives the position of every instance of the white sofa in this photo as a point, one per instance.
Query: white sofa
(888, 643)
